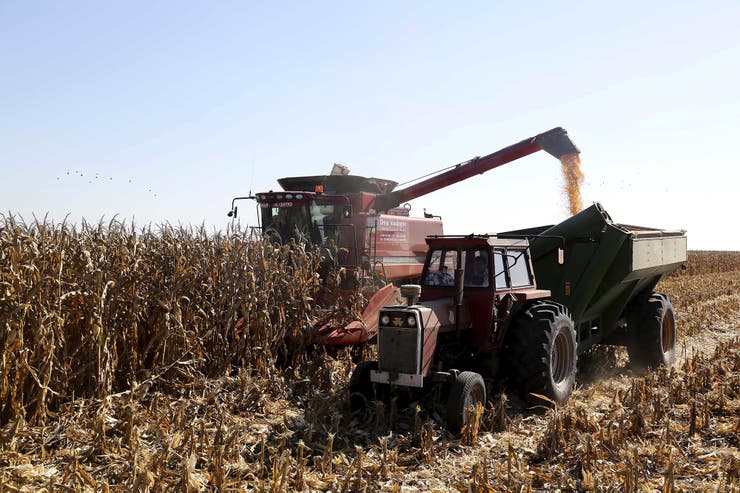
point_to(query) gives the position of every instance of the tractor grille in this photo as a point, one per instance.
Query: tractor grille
(398, 350)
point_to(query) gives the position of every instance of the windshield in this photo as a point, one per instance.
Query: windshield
(439, 271)
(315, 220)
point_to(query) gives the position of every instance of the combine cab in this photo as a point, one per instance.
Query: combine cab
(379, 244)
(338, 210)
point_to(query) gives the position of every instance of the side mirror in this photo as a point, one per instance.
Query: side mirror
(347, 212)
(232, 213)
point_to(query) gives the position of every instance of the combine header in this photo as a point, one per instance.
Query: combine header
(379, 244)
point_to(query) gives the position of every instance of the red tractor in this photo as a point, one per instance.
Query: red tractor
(379, 244)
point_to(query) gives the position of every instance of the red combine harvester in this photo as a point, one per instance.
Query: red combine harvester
(379, 244)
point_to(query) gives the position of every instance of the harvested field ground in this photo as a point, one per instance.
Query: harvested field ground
(124, 369)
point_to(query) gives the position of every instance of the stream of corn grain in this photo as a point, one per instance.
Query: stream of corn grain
(572, 180)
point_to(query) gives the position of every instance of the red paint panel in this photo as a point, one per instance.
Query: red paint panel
(430, 344)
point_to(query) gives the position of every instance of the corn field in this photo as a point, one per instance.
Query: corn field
(171, 359)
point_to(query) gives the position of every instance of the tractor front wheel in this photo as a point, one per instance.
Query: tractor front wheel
(651, 332)
(361, 388)
(542, 353)
(467, 391)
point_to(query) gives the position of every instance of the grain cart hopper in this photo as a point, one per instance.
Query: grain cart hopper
(379, 243)
(523, 305)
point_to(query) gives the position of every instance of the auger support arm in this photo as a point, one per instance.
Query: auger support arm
(555, 142)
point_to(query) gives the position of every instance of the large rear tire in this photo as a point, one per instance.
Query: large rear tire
(651, 332)
(467, 391)
(542, 353)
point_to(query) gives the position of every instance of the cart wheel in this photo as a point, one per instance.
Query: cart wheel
(542, 353)
(652, 332)
(467, 391)
(361, 388)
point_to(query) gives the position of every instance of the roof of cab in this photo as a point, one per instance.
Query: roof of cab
(475, 240)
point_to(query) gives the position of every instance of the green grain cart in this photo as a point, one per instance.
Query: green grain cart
(523, 305)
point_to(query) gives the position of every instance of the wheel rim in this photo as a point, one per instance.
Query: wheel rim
(666, 334)
(560, 358)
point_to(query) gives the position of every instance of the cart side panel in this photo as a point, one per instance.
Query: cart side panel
(663, 253)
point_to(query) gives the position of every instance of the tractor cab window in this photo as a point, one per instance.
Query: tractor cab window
(518, 263)
(477, 271)
(440, 268)
(499, 274)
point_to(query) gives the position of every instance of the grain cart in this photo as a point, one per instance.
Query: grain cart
(524, 305)
(379, 243)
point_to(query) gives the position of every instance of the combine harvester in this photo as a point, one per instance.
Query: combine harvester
(379, 245)
(523, 305)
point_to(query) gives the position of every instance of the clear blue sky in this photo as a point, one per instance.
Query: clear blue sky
(169, 109)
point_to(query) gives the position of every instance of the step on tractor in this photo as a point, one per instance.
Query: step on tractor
(519, 307)
(367, 222)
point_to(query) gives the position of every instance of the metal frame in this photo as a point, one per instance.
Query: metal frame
(404, 379)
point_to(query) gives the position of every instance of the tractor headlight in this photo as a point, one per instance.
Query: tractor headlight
(399, 319)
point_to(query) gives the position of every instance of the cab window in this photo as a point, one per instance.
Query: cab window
(498, 269)
(440, 268)
(518, 268)
(477, 273)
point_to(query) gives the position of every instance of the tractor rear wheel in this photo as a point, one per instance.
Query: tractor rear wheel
(542, 353)
(651, 332)
(467, 391)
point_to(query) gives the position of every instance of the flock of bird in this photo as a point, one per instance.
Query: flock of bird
(96, 177)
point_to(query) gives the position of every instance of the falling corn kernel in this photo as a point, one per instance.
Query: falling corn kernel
(572, 179)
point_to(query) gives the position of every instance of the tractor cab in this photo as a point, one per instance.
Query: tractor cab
(489, 264)
(495, 274)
